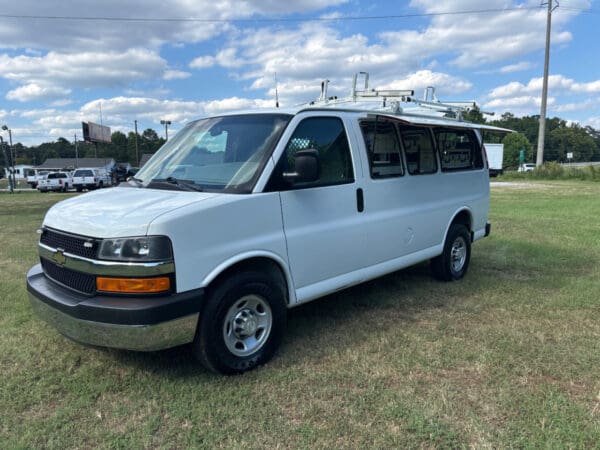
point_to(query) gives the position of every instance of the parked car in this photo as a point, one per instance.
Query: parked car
(527, 167)
(55, 181)
(243, 216)
(91, 179)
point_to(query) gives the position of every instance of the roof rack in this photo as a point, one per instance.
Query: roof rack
(392, 98)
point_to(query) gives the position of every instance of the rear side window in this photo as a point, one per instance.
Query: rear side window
(83, 173)
(459, 150)
(419, 150)
(383, 148)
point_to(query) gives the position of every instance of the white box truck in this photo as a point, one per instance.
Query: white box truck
(495, 154)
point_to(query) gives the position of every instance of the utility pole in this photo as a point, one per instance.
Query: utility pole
(542, 130)
(166, 123)
(13, 155)
(76, 153)
(137, 158)
(10, 183)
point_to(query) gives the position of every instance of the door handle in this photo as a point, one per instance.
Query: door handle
(360, 200)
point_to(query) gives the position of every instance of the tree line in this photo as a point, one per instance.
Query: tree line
(122, 148)
(561, 138)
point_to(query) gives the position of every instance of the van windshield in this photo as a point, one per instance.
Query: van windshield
(220, 154)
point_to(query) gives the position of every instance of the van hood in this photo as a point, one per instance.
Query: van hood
(117, 212)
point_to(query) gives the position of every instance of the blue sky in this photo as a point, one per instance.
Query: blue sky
(58, 71)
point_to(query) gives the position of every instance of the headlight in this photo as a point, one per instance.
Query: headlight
(144, 248)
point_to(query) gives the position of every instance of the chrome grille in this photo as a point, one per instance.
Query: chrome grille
(70, 243)
(78, 281)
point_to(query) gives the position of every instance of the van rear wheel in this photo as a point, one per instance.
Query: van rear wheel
(453, 263)
(242, 323)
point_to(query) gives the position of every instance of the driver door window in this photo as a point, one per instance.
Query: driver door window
(328, 136)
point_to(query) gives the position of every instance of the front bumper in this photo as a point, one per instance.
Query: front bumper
(133, 323)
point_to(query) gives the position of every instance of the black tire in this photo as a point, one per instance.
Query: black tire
(101, 185)
(242, 300)
(79, 189)
(66, 188)
(453, 263)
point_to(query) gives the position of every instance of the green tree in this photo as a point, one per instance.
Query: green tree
(575, 139)
(118, 149)
(513, 144)
(595, 134)
(131, 152)
(474, 115)
(150, 141)
(64, 148)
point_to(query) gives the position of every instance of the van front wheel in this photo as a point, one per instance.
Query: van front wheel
(453, 263)
(242, 323)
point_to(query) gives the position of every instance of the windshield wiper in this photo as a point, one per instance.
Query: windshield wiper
(174, 183)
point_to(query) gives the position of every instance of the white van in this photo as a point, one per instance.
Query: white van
(242, 216)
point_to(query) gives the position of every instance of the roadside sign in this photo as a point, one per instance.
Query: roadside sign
(569, 155)
(522, 155)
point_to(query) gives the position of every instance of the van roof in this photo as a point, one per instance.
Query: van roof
(411, 116)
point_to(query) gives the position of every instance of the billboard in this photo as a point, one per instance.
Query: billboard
(92, 132)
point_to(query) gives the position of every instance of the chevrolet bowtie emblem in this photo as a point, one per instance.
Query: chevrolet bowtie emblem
(59, 257)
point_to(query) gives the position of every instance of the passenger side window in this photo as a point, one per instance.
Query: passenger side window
(459, 150)
(419, 150)
(328, 137)
(383, 148)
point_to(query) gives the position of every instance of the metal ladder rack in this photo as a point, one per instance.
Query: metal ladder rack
(391, 100)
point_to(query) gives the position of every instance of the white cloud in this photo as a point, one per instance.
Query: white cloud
(518, 67)
(446, 85)
(176, 75)
(235, 103)
(83, 69)
(202, 62)
(119, 109)
(303, 55)
(34, 91)
(105, 35)
(475, 40)
(593, 122)
(119, 112)
(592, 87)
(556, 83)
(583, 105)
(518, 103)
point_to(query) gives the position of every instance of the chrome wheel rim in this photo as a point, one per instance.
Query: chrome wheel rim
(458, 254)
(247, 325)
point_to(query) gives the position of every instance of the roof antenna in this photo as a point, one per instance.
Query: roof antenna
(276, 93)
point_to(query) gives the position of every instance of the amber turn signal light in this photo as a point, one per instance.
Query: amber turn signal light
(133, 285)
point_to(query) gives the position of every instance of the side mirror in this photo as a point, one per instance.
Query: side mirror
(308, 167)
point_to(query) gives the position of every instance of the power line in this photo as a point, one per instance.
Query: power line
(263, 20)
(581, 10)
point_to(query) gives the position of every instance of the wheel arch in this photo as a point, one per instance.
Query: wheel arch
(463, 216)
(262, 261)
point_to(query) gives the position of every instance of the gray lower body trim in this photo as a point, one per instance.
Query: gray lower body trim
(130, 337)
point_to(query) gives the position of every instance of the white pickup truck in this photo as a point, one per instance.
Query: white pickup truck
(35, 177)
(90, 179)
(55, 181)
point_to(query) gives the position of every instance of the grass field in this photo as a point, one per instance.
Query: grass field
(507, 357)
